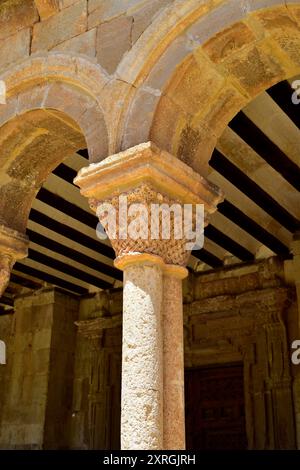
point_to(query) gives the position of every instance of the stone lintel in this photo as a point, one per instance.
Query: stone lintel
(45, 296)
(94, 327)
(147, 164)
(257, 304)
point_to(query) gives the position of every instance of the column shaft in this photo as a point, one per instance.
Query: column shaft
(173, 358)
(142, 371)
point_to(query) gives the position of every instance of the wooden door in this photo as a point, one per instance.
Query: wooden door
(215, 408)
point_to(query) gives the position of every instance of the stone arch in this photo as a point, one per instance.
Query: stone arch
(185, 96)
(73, 85)
(53, 109)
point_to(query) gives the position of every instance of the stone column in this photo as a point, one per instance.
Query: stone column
(13, 246)
(173, 358)
(146, 177)
(142, 358)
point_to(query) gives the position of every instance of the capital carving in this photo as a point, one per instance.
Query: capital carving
(163, 187)
(13, 246)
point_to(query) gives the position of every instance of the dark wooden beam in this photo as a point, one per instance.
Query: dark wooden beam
(247, 186)
(68, 208)
(66, 173)
(218, 237)
(282, 94)
(6, 301)
(56, 281)
(83, 153)
(71, 233)
(6, 311)
(24, 282)
(250, 226)
(266, 149)
(75, 255)
(208, 258)
(68, 269)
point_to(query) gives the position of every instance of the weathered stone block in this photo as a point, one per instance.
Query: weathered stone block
(283, 27)
(14, 48)
(221, 111)
(68, 23)
(228, 41)
(66, 3)
(255, 68)
(104, 10)
(32, 98)
(197, 86)
(194, 146)
(294, 11)
(83, 44)
(278, 19)
(47, 8)
(113, 40)
(16, 15)
(59, 95)
(144, 15)
(163, 131)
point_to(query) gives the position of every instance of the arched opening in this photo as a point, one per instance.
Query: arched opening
(195, 81)
(198, 90)
(256, 163)
(32, 145)
(200, 81)
(219, 97)
(49, 136)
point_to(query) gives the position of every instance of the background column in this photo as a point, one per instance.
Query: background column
(173, 358)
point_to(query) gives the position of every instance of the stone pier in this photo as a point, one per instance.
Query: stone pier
(152, 415)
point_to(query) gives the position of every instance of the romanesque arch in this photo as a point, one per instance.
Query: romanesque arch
(196, 80)
(52, 109)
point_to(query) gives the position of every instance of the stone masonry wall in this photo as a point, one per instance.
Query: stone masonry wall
(101, 29)
(38, 394)
(97, 380)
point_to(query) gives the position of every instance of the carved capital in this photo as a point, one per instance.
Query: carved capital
(156, 181)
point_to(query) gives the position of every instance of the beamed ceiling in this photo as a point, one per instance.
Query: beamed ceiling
(256, 163)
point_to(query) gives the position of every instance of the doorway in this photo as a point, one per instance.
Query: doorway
(215, 408)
